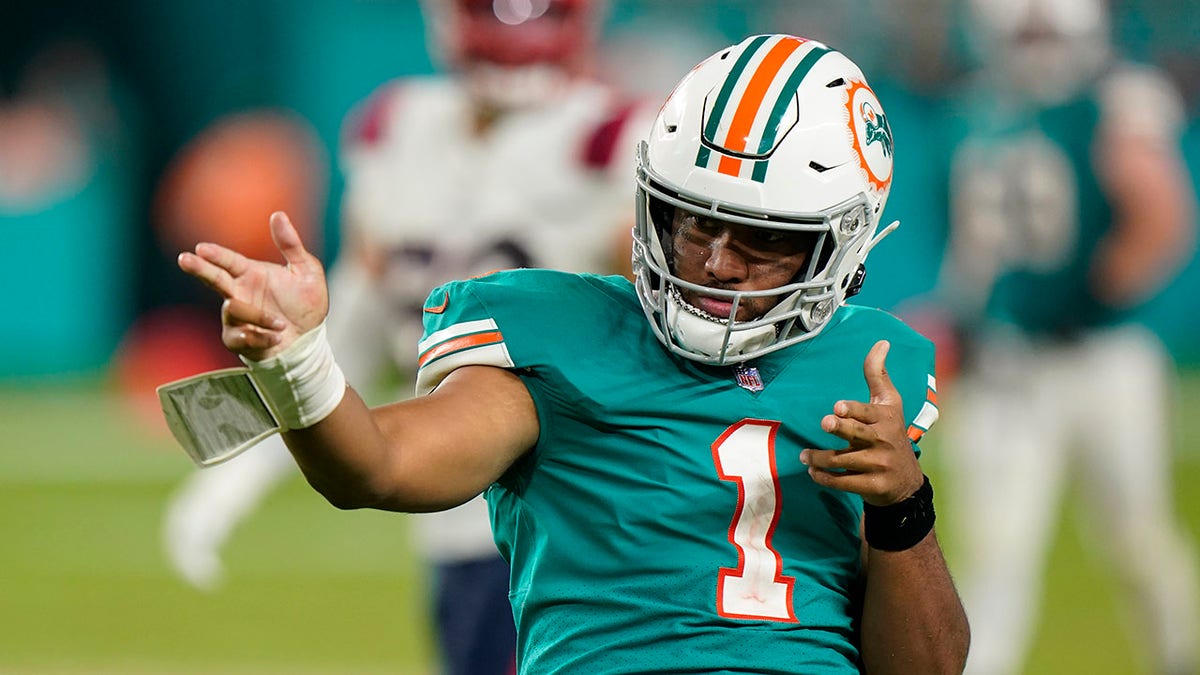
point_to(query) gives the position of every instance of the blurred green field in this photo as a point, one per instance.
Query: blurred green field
(84, 587)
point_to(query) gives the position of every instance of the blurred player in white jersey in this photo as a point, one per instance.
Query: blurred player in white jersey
(1070, 208)
(518, 157)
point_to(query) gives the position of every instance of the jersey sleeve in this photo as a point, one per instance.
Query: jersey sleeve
(1141, 100)
(611, 147)
(362, 145)
(927, 414)
(459, 331)
(367, 123)
(910, 363)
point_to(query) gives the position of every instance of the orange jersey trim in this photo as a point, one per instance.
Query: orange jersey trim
(438, 309)
(459, 344)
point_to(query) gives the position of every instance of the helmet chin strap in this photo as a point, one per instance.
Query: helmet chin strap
(702, 332)
(879, 237)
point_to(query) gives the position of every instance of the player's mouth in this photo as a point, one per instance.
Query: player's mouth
(704, 306)
(717, 307)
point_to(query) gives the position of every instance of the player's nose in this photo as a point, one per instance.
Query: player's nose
(725, 263)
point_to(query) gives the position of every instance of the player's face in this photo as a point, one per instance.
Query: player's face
(728, 256)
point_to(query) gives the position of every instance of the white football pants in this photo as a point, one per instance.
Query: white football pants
(1025, 420)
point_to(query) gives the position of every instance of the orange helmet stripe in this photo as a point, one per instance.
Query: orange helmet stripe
(752, 98)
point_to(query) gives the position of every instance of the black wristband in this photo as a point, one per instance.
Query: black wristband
(902, 525)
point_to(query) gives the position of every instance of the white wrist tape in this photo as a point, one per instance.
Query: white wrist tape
(302, 384)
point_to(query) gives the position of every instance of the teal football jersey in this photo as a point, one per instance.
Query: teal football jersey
(664, 521)
(1025, 182)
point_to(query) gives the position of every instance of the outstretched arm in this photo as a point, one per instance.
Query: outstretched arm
(913, 620)
(424, 454)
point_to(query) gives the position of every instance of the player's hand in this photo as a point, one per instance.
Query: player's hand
(267, 305)
(879, 463)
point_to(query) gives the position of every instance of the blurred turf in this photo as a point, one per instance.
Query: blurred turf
(84, 587)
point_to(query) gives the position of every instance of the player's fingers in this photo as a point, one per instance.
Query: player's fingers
(879, 383)
(847, 481)
(235, 312)
(248, 340)
(867, 413)
(852, 430)
(226, 258)
(824, 460)
(288, 241)
(213, 276)
(839, 461)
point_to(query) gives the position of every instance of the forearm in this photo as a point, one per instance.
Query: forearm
(344, 456)
(1130, 267)
(913, 620)
(422, 454)
(326, 425)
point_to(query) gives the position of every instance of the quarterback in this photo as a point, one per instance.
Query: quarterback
(719, 456)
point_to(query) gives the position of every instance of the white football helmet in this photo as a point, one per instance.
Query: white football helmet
(775, 132)
(514, 53)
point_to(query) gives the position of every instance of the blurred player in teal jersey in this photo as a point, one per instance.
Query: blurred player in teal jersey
(1070, 208)
(710, 469)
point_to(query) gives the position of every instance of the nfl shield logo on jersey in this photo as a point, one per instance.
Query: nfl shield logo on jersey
(747, 377)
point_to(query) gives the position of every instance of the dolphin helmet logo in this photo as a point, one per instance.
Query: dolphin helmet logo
(878, 129)
(870, 134)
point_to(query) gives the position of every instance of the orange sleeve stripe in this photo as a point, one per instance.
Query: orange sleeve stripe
(756, 91)
(458, 344)
(915, 433)
(931, 396)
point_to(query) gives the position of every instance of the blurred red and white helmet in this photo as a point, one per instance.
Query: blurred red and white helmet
(1046, 49)
(514, 53)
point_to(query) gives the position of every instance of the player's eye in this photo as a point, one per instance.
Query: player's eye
(765, 236)
(705, 226)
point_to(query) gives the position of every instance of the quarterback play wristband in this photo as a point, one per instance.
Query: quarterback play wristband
(302, 384)
(900, 526)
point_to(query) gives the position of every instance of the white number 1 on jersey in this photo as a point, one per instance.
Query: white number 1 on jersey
(757, 588)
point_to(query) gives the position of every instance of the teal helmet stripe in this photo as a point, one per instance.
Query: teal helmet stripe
(786, 95)
(718, 109)
(771, 130)
(759, 175)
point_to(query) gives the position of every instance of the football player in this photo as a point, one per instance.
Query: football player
(1070, 208)
(708, 469)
